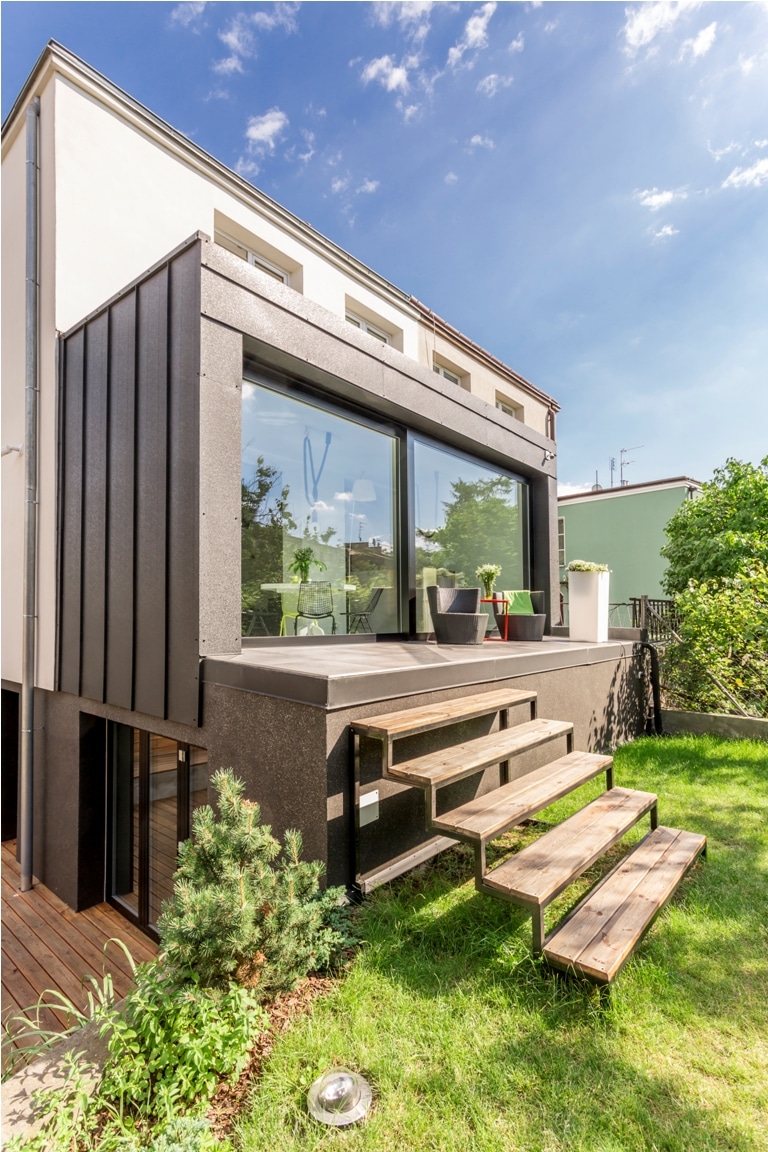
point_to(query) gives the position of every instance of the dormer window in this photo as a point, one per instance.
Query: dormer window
(446, 374)
(253, 258)
(508, 407)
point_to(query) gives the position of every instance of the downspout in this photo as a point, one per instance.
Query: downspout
(655, 686)
(29, 637)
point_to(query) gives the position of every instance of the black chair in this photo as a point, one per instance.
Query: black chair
(456, 615)
(315, 603)
(358, 618)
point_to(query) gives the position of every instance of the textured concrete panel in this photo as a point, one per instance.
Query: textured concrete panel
(221, 381)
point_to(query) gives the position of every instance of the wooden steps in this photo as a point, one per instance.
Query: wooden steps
(598, 937)
(496, 812)
(601, 933)
(462, 760)
(412, 721)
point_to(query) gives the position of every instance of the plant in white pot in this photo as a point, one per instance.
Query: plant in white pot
(588, 604)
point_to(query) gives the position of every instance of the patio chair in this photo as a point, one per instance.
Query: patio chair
(520, 615)
(456, 615)
(358, 618)
(315, 603)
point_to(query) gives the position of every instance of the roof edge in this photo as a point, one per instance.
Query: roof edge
(592, 494)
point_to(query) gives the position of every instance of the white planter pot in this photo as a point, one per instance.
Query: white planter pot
(588, 606)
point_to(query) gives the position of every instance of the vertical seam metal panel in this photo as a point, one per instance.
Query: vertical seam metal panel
(71, 516)
(94, 507)
(151, 496)
(120, 503)
(183, 613)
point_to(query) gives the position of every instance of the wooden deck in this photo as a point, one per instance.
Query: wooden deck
(45, 945)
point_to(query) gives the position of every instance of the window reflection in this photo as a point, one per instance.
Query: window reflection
(466, 514)
(317, 488)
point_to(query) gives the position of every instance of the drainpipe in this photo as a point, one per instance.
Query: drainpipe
(30, 508)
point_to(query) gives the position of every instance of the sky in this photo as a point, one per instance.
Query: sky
(581, 188)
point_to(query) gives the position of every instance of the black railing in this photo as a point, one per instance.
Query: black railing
(657, 620)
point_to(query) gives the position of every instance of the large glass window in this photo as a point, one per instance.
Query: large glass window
(319, 520)
(466, 514)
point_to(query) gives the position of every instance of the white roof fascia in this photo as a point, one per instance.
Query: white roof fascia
(57, 60)
(634, 490)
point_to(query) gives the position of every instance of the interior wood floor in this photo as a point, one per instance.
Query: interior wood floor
(45, 945)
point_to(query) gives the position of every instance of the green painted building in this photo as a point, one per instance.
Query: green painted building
(623, 528)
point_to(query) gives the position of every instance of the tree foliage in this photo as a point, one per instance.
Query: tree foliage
(481, 527)
(716, 534)
(242, 907)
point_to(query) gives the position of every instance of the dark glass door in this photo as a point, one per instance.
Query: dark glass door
(155, 784)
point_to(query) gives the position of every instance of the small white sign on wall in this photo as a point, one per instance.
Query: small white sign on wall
(369, 807)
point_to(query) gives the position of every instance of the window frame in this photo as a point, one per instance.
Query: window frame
(255, 259)
(364, 325)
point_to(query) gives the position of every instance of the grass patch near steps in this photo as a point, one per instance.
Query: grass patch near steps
(471, 1045)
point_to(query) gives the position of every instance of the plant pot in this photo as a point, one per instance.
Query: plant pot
(588, 606)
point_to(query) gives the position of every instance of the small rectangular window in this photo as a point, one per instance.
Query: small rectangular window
(253, 258)
(561, 541)
(366, 326)
(508, 408)
(446, 373)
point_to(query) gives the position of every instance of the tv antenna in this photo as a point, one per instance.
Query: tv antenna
(612, 466)
(624, 462)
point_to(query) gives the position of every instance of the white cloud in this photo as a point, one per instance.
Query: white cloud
(572, 489)
(282, 16)
(186, 14)
(264, 131)
(475, 36)
(699, 45)
(227, 65)
(718, 153)
(238, 37)
(413, 16)
(368, 186)
(408, 110)
(665, 232)
(451, 178)
(478, 141)
(551, 25)
(391, 76)
(648, 20)
(518, 43)
(748, 177)
(760, 143)
(654, 199)
(493, 84)
(246, 167)
(339, 184)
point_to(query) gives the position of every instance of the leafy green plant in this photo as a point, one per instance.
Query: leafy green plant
(587, 566)
(303, 560)
(724, 630)
(187, 1134)
(243, 908)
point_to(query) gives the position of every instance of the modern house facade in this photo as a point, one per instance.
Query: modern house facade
(222, 390)
(623, 528)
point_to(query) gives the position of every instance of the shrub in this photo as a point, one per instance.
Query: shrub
(243, 908)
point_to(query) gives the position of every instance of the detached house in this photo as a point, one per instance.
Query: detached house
(223, 394)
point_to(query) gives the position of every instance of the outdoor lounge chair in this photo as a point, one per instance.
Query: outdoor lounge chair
(520, 615)
(456, 615)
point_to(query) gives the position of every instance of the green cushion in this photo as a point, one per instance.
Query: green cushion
(519, 603)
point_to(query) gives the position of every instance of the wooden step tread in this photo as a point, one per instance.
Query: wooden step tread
(462, 760)
(542, 870)
(411, 721)
(495, 812)
(601, 933)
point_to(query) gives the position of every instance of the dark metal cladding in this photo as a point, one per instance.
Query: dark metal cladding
(129, 512)
(70, 586)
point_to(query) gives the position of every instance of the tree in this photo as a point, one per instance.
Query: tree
(481, 526)
(713, 536)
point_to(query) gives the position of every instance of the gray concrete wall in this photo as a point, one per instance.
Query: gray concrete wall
(676, 722)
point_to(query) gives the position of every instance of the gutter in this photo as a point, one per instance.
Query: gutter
(29, 629)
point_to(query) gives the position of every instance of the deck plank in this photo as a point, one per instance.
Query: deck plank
(602, 932)
(412, 721)
(495, 812)
(462, 760)
(48, 946)
(543, 869)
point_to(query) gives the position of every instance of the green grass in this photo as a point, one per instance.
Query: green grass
(471, 1045)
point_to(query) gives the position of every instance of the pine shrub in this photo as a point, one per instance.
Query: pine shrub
(244, 908)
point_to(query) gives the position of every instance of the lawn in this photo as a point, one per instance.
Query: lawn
(471, 1045)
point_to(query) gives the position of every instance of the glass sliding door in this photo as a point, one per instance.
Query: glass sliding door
(466, 513)
(320, 535)
(155, 784)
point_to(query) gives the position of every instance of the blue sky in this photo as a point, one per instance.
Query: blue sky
(581, 188)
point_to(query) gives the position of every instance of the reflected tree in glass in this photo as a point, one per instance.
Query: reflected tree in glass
(481, 526)
(264, 517)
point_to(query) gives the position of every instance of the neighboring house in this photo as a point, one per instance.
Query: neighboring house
(221, 386)
(623, 528)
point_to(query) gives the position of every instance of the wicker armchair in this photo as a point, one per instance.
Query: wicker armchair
(521, 626)
(456, 615)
